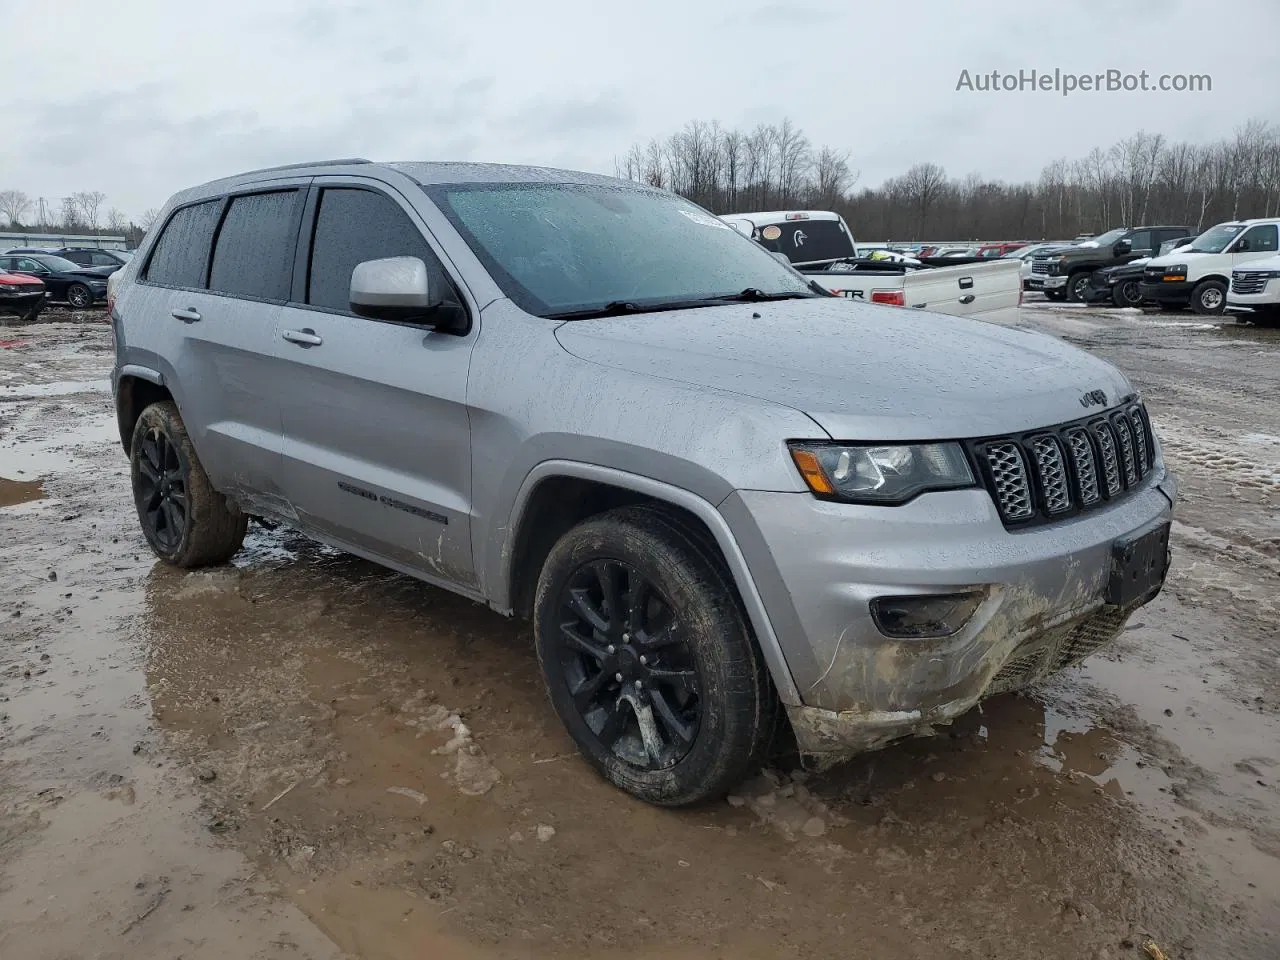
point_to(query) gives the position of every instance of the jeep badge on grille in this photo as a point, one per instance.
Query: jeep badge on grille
(1094, 398)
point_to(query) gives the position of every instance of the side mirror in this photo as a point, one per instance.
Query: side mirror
(1243, 246)
(394, 288)
(1122, 247)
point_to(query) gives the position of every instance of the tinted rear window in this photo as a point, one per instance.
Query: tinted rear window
(254, 255)
(182, 252)
(807, 241)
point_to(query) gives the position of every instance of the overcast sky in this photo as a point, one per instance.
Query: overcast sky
(138, 98)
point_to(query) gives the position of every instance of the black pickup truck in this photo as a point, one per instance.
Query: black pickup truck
(1063, 272)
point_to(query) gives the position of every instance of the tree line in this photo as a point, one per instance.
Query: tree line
(84, 213)
(1144, 178)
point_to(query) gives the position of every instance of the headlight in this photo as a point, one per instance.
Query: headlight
(880, 474)
(8, 288)
(1175, 273)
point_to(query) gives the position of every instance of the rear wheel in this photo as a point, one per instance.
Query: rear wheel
(79, 296)
(186, 522)
(649, 661)
(1209, 297)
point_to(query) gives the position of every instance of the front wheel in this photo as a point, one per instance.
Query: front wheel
(186, 522)
(79, 296)
(1077, 283)
(649, 661)
(1209, 297)
(1126, 294)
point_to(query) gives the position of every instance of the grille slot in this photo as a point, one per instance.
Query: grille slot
(1039, 266)
(1058, 471)
(1052, 472)
(1249, 281)
(1110, 458)
(1012, 486)
(1128, 455)
(1045, 654)
(1086, 465)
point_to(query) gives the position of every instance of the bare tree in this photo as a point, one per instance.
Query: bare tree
(88, 204)
(15, 205)
(117, 222)
(149, 218)
(921, 186)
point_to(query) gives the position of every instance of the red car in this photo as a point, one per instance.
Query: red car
(996, 250)
(21, 295)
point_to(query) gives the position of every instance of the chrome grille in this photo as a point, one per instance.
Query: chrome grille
(1128, 455)
(1039, 265)
(1052, 473)
(1110, 460)
(1249, 281)
(1009, 473)
(1086, 464)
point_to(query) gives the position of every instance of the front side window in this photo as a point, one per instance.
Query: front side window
(559, 249)
(1140, 241)
(254, 252)
(1259, 239)
(104, 260)
(354, 225)
(182, 252)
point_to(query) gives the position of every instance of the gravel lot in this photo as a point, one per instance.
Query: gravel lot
(304, 755)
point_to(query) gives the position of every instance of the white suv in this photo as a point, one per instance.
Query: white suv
(1257, 285)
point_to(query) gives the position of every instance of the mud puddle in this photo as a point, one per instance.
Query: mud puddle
(14, 492)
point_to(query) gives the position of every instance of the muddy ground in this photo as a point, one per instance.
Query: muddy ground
(304, 755)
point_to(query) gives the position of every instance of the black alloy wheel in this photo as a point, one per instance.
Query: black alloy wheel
(632, 677)
(162, 490)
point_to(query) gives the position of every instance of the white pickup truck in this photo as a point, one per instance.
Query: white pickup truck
(820, 245)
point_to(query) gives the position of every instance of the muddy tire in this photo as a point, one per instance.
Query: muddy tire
(186, 522)
(1209, 297)
(633, 594)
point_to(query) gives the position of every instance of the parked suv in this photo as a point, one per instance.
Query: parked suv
(1064, 273)
(1200, 274)
(595, 404)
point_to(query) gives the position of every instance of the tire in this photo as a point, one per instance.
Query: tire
(1126, 294)
(707, 677)
(185, 521)
(1209, 297)
(1076, 284)
(1055, 295)
(79, 296)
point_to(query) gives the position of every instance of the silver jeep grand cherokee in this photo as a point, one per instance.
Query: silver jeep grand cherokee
(724, 497)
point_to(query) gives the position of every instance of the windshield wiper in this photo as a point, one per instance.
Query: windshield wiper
(756, 295)
(614, 308)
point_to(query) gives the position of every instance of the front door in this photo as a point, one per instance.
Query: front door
(376, 432)
(1257, 243)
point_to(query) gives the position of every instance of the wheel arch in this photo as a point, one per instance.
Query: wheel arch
(558, 494)
(136, 389)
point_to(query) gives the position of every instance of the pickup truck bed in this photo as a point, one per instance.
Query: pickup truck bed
(966, 289)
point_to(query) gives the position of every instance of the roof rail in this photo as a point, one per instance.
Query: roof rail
(341, 161)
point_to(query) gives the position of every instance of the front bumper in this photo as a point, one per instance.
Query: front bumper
(20, 303)
(818, 565)
(1175, 292)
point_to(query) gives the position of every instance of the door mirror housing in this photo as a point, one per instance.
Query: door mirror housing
(398, 289)
(1123, 247)
(1243, 245)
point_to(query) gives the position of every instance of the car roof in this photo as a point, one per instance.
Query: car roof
(423, 173)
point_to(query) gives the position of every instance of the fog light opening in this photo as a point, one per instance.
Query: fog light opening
(925, 617)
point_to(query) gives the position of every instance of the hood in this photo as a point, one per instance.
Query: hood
(863, 372)
(17, 279)
(1174, 257)
(1133, 266)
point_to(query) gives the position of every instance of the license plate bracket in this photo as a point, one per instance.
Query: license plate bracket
(1139, 564)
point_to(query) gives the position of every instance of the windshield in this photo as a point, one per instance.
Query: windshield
(1108, 238)
(1215, 239)
(558, 248)
(58, 264)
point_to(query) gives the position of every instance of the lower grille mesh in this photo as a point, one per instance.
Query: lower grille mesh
(1057, 648)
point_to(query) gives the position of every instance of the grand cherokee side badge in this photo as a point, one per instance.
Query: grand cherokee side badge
(1094, 398)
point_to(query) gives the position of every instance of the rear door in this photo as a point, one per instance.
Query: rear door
(211, 292)
(376, 430)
